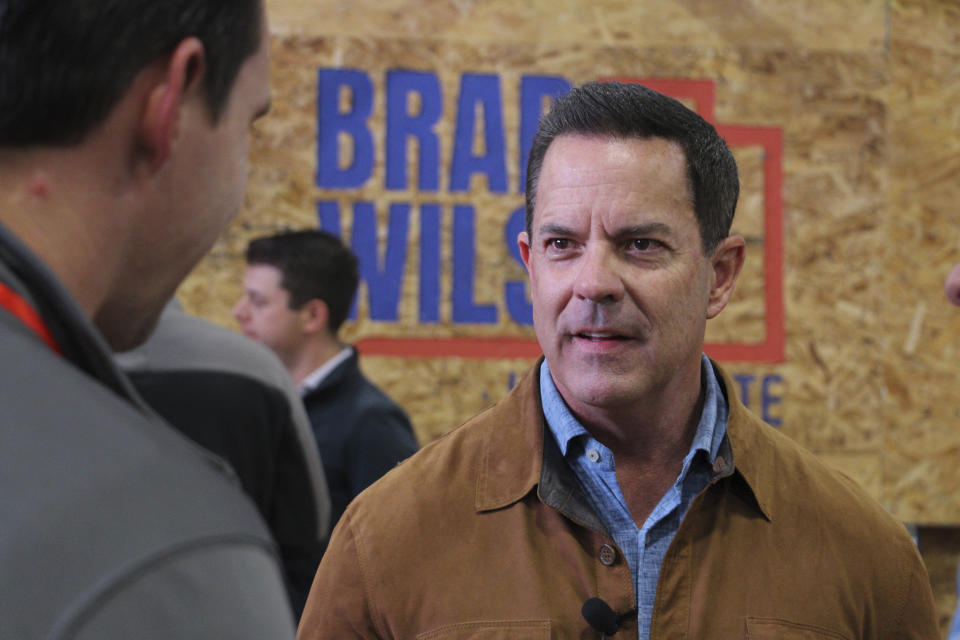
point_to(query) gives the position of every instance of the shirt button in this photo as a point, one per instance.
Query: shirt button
(593, 455)
(608, 555)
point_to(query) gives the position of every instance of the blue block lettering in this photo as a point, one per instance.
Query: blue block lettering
(484, 91)
(744, 380)
(401, 126)
(532, 91)
(328, 217)
(384, 278)
(430, 263)
(331, 123)
(768, 400)
(515, 292)
(464, 271)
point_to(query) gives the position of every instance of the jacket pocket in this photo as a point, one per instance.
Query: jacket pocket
(776, 629)
(491, 630)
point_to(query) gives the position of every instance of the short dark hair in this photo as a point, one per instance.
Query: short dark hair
(620, 110)
(64, 64)
(314, 265)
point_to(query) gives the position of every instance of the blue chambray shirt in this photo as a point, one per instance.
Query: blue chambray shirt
(593, 464)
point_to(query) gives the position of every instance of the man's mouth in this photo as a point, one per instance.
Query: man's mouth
(599, 336)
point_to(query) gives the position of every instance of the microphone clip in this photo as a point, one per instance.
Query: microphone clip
(601, 617)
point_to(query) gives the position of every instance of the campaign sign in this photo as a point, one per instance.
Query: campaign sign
(452, 157)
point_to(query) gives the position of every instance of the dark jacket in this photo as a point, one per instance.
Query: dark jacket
(486, 533)
(112, 524)
(235, 398)
(360, 431)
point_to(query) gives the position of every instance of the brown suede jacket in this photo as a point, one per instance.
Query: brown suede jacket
(485, 534)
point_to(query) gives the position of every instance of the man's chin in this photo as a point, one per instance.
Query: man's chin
(125, 331)
(598, 391)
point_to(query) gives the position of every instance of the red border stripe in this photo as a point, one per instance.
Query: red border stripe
(771, 350)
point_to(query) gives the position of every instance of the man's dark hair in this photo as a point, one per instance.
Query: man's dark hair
(616, 110)
(314, 265)
(64, 64)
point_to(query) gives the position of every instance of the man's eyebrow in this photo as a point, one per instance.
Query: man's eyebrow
(554, 229)
(649, 228)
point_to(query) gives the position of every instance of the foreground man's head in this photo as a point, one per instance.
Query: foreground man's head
(124, 134)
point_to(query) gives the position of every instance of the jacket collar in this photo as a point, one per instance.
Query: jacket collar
(517, 456)
(512, 457)
(337, 374)
(514, 463)
(81, 344)
(751, 449)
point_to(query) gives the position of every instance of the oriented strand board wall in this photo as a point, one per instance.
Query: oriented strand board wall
(867, 95)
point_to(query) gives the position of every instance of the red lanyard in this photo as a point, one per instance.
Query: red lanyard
(20, 308)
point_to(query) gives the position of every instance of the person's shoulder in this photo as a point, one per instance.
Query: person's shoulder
(351, 393)
(442, 473)
(799, 487)
(100, 485)
(789, 476)
(103, 436)
(371, 397)
(182, 342)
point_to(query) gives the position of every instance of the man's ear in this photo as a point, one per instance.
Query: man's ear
(523, 242)
(727, 260)
(179, 75)
(315, 316)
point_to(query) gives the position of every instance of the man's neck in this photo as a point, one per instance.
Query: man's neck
(65, 224)
(311, 357)
(649, 440)
(655, 430)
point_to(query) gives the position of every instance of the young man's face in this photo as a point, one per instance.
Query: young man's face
(264, 312)
(952, 286)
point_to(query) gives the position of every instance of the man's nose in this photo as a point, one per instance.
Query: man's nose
(599, 278)
(240, 309)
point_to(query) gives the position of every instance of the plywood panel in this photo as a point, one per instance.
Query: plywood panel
(867, 97)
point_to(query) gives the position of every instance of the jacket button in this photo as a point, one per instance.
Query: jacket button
(608, 555)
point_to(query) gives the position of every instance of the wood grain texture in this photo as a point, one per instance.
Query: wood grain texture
(867, 94)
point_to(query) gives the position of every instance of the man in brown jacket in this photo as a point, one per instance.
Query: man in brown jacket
(621, 487)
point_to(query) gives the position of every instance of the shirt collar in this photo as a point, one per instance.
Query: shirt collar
(313, 380)
(517, 455)
(707, 438)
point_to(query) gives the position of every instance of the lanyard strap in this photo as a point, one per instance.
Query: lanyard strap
(21, 309)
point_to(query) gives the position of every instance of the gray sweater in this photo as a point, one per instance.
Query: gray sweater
(112, 524)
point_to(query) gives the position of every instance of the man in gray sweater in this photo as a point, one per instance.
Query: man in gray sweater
(124, 129)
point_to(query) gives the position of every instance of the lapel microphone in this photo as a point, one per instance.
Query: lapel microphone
(602, 618)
